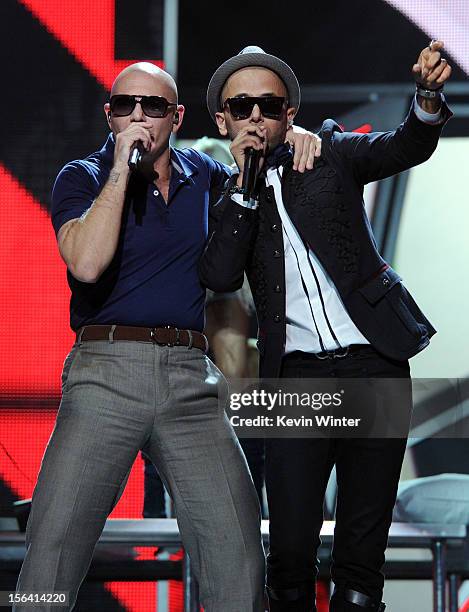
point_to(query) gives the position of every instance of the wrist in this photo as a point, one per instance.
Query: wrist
(431, 106)
(429, 100)
(119, 176)
(121, 168)
(429, 94)
(239, 180)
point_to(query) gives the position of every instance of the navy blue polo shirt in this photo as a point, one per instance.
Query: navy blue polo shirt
(152, 280)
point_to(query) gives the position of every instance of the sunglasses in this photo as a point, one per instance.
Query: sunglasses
(153, 106)
(241, 108)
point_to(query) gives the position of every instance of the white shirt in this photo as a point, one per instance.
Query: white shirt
(305, 315)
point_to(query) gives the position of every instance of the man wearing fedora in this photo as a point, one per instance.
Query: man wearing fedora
(328, 305)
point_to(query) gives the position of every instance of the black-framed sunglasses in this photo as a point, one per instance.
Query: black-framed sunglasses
(123, 105)
(270, 106)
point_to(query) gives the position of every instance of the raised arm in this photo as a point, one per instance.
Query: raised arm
(381, 154)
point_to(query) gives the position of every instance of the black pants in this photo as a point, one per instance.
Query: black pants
(297, 472)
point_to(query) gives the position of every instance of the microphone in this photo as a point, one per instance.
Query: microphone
(135, 156)
(251, 164)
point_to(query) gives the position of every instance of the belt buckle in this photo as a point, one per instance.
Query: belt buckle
(345, 351)
(339, 353)
(153, 333)
(177, 341)
(153, 336)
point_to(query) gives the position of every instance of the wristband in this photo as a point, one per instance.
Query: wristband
(428, 94)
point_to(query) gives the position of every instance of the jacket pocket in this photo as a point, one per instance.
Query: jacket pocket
(389, 298)
(377, 288)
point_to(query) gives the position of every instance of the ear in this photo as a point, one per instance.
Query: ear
(107, 112)
(221, 123)
(178, 117)
(291, 112)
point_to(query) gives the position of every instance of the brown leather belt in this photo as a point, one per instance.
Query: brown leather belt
(164, 336)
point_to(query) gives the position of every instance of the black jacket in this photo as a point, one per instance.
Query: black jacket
(326, 206)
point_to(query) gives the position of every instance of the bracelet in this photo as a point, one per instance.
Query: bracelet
(428, 94)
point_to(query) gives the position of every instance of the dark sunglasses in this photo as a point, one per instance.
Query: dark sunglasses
(153, 106)
(270, 106)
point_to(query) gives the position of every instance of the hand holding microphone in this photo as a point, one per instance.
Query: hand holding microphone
(248, 149)
(250, 171)
(131, 143)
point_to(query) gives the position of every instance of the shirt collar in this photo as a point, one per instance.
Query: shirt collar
(107, 150)
(279, 156)
(182, 164)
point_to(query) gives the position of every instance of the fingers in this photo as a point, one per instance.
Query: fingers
(436, 45)
(307, 147)
(297, 152)
(436, 73)
(417, 71)
(302, 150)
(431, 79)
(432, 61)
(143, 133)
(316, 152)
(432, 53)
(127, 139)
(249, 141)
(256, 134)
(432, 70)
(135, 132)
(444, 75)
(250, 136)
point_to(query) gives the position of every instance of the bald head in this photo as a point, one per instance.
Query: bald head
(143, 75)
(134, 86)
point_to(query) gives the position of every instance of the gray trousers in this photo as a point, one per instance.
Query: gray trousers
(117, 399)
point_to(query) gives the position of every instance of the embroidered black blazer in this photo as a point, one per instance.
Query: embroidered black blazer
(326, 206)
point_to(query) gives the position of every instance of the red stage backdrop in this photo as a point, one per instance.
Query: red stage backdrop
(78, 35)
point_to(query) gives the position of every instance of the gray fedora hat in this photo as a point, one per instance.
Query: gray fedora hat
(251, 56)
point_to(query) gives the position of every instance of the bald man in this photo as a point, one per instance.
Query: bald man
(137, 377)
